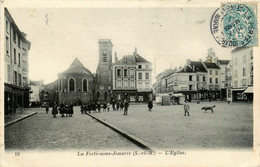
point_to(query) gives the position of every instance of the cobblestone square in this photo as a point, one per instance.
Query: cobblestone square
(230, 126)
(43, 132)
(165, 127)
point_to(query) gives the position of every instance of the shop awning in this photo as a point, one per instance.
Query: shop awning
(238, 89)
(178, 95)
(249, 89)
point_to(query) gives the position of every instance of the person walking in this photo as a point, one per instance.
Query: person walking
(150, 105)
(82, 108)
(108, 106)
(94, 107)
(71, 111)
(125, 105)
(122, 106)
(104, 106)
(113, 105)
(98, 107)
(55, 110)
(61, 109)
(47, 109)
(117, 106)
(186, 108)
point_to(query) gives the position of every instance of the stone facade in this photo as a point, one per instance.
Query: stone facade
(16, 66)
(132, 79)
(73, 86)
(242, 72)
(103, 83)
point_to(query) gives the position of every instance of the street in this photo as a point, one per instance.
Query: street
(44, 132)
(230, 126)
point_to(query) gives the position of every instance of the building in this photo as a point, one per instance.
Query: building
(213, 79)
(75, 85)
(50, 94)
(191, 80)
(223, 64)
(132, 79)
(103, 83)
(161, 81)
(36, 88)
(16, 66)
(229, 81)
(242, 73)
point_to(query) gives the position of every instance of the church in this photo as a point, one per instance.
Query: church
(77, 85)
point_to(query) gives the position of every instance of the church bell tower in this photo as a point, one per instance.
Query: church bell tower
(104, 71)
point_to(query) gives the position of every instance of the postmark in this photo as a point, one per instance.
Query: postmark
(235, 25)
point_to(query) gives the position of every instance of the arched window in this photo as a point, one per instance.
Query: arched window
(72, 85)
(85, 85)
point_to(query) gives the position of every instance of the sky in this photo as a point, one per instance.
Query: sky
(164, 36)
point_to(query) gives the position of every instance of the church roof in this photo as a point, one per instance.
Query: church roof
(77, 67)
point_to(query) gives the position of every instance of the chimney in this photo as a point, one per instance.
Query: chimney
(187, 62)
(193, 68)
(135, 53)
(200, 60)
(116, 58)
(215, 60)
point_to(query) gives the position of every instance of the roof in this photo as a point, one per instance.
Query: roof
(240, 48)
(33, 83)
(105, 41)
(131, 59)
(194, 66)
(211, 65)
(164, 73)
(51, 84)
(186, 69)
(140, 59)
(198, 66)
(223, 62)
(77, 67)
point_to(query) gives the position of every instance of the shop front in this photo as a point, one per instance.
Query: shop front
(15, 97)
(131, 96)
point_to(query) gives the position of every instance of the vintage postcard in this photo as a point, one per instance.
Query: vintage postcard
(133, 83)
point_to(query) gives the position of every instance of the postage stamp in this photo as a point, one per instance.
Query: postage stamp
(235, 25)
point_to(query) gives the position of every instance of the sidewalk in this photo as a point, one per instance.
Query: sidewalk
(20, 115)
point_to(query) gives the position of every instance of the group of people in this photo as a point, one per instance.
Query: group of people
(97, 107)
(64, 109)
(67, 110)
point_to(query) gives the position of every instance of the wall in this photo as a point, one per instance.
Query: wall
(242, 59)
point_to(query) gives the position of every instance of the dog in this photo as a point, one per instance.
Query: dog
(208, 108)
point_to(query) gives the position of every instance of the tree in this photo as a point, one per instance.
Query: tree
(211, 55)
